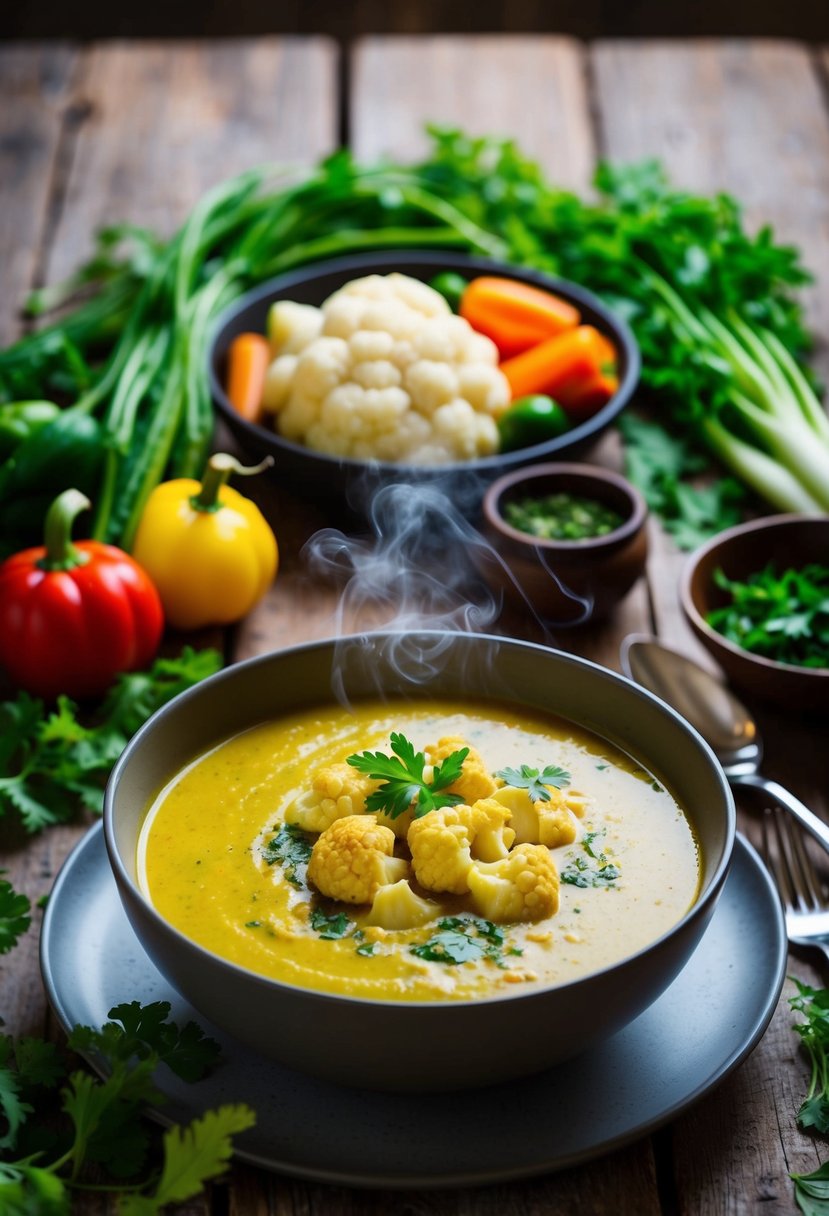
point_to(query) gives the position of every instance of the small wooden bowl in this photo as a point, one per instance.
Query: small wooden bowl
(787, 542)
(566, 583)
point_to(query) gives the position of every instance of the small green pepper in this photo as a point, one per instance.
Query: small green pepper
(531, 420)
(451, 286)
(20, 419)
(69, 449)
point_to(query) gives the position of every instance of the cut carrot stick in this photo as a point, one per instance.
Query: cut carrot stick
(515, 315)
(247, 362)
(572, 369)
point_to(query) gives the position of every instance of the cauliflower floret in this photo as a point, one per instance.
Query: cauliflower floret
(395, 286)
(484, 387)
(396, 906)
(279, 380)
(549, 823)
(352, 859)
(292, 326)
(341, 316)
(522, 886)
(369, 344)
(443, 843)
(377, 373)
(464, 433)
(299, 413)
(475, 781)
(321, 366)
(337, 790)
(429, 384)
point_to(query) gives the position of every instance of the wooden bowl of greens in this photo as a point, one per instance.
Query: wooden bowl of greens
(757, 597)
(568, 540)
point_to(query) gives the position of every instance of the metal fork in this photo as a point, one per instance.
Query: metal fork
(801, 890)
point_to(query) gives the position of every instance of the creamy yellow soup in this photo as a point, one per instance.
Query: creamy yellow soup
(206, 859)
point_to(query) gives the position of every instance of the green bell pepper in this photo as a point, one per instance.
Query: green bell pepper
(531, 420)
(451, 286)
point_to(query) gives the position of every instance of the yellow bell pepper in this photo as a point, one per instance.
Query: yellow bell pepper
(207, 548)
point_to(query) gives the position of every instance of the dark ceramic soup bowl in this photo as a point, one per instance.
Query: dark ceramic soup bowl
(421, 1045)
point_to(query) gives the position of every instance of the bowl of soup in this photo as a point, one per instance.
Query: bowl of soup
(423, 861)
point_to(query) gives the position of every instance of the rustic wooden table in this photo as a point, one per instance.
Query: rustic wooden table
(107, 132)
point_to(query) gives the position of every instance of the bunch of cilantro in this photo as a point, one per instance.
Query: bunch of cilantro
(715, 311)
(61, 1127)
(54, 760)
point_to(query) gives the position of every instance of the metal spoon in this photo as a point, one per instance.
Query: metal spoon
(721, 719)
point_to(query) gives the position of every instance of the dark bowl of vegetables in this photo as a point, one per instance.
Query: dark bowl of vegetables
(568, 540)
(757, 597)
(547, 368)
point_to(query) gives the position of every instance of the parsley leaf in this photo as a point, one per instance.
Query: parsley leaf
(291, 848)
(659, 463)
(403, 779)
(52, 763)
(330, 926)
(143, 1032)
(192, 1155)
(14, 915)
(813, 1004)
(535, 782)
(580, 873)
(464, 939)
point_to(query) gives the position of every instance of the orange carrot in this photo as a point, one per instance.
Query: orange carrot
(247, 362)
(572, 369)
(515, 315)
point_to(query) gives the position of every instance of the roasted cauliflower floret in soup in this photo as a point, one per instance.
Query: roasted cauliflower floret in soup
(398, 907)
(443, 843)
(352, 859)
(475, 780)
(522, 886)
(548, 823)
(337, 790)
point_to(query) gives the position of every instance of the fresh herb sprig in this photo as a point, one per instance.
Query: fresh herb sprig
(535, 781)
(102, 1123)
(780, 616)
(813, 1004)
(15, 915)
(404, 784)
(55, 761)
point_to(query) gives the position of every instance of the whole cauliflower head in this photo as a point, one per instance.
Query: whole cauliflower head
(522, 886)
(386, 372)
(352, 859)
(338, 790)
(475, 780)
(442, 843)
(549, 823)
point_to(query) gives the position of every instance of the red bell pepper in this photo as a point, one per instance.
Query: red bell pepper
(72, 616)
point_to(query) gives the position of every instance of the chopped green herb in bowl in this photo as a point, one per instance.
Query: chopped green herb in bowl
(757, 597)
(562, 516)
(784, 617)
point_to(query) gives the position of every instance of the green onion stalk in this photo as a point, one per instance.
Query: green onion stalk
(152, 318)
